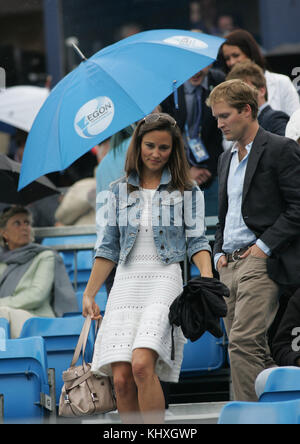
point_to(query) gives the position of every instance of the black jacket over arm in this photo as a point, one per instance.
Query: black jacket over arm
(270, 202)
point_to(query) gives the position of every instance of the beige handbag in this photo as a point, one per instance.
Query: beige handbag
(83, 393)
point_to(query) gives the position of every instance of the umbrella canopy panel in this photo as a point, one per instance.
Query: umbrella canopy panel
(114, 88)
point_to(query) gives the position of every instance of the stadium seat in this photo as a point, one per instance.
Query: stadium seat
(23, 379)
(4, 329)
(283, 384)
(284, 412)
(61, 336)
(83, 257)
(206, 354)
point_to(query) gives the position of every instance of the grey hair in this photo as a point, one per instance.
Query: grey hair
(9, 212)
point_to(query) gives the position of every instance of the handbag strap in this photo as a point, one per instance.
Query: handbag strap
(81, 344)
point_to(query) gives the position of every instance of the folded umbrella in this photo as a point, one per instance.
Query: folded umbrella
(9, 176)
(199, 308)
(114, 88)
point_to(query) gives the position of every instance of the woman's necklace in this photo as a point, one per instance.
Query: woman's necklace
(151, 184)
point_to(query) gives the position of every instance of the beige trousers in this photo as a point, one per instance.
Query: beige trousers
(16, 319)
(252, 306)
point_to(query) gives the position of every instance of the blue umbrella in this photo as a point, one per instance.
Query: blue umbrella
(115, 87)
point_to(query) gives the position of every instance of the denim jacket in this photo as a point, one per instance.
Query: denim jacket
(177, 221)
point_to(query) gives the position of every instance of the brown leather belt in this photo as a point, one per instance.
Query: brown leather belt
(236, 254)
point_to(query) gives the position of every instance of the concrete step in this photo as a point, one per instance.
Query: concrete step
(193, 413)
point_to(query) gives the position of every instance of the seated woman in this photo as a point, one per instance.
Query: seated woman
(29, 273)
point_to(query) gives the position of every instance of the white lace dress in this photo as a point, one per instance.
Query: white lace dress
(136, 314)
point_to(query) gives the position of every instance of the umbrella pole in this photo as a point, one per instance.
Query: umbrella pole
(78, 51)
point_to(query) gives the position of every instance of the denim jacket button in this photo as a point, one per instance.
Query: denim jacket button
(162, 247)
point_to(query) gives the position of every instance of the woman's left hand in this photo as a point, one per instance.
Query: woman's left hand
(89, 307)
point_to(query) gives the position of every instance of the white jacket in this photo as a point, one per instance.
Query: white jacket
(282, 95)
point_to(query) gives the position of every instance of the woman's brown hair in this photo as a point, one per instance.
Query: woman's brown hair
(177, 163)
(247, 44)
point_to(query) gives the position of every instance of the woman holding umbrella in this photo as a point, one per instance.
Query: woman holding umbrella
(29, 273)
(155, 215)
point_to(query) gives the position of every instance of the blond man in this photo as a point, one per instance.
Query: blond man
(257, 246)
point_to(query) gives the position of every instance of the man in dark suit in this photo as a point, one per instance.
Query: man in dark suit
(199, 128)
(269, 118)
(257, 246)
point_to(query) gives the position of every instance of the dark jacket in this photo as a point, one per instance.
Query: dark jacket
(211, 135)
(286, 343)
(199, 308)
(273, 120)
(270, 202)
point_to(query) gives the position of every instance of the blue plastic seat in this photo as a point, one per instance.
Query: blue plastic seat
(194, 272)
(23, 377)
(284, 412)
(61, 336)
(206, 354)
(70, 239)
(4, 330)
(283, 384)
(84, 257)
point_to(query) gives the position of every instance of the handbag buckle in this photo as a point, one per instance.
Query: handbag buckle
(94, 397)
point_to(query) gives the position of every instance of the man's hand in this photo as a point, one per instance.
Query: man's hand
(222, 262)
(200, 175)
(255, 251)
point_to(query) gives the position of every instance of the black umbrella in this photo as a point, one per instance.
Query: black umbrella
(9, 177)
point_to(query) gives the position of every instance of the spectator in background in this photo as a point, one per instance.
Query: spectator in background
(293, 127)
(240, 45)
(78, 206)
(225, 25)
(271, 120)
(20, 138)
(196, 16)
(202, 138)
(33, 278)
(127, 29)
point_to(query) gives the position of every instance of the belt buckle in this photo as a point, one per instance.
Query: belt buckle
(235, 259)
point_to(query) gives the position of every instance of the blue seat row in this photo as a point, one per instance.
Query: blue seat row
(23, 378)
(279, 403)
(282, 412)
(60, 336)
(206, 354)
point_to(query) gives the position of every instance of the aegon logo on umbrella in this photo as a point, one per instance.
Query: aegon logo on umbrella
(189, 42)
(94, 117)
